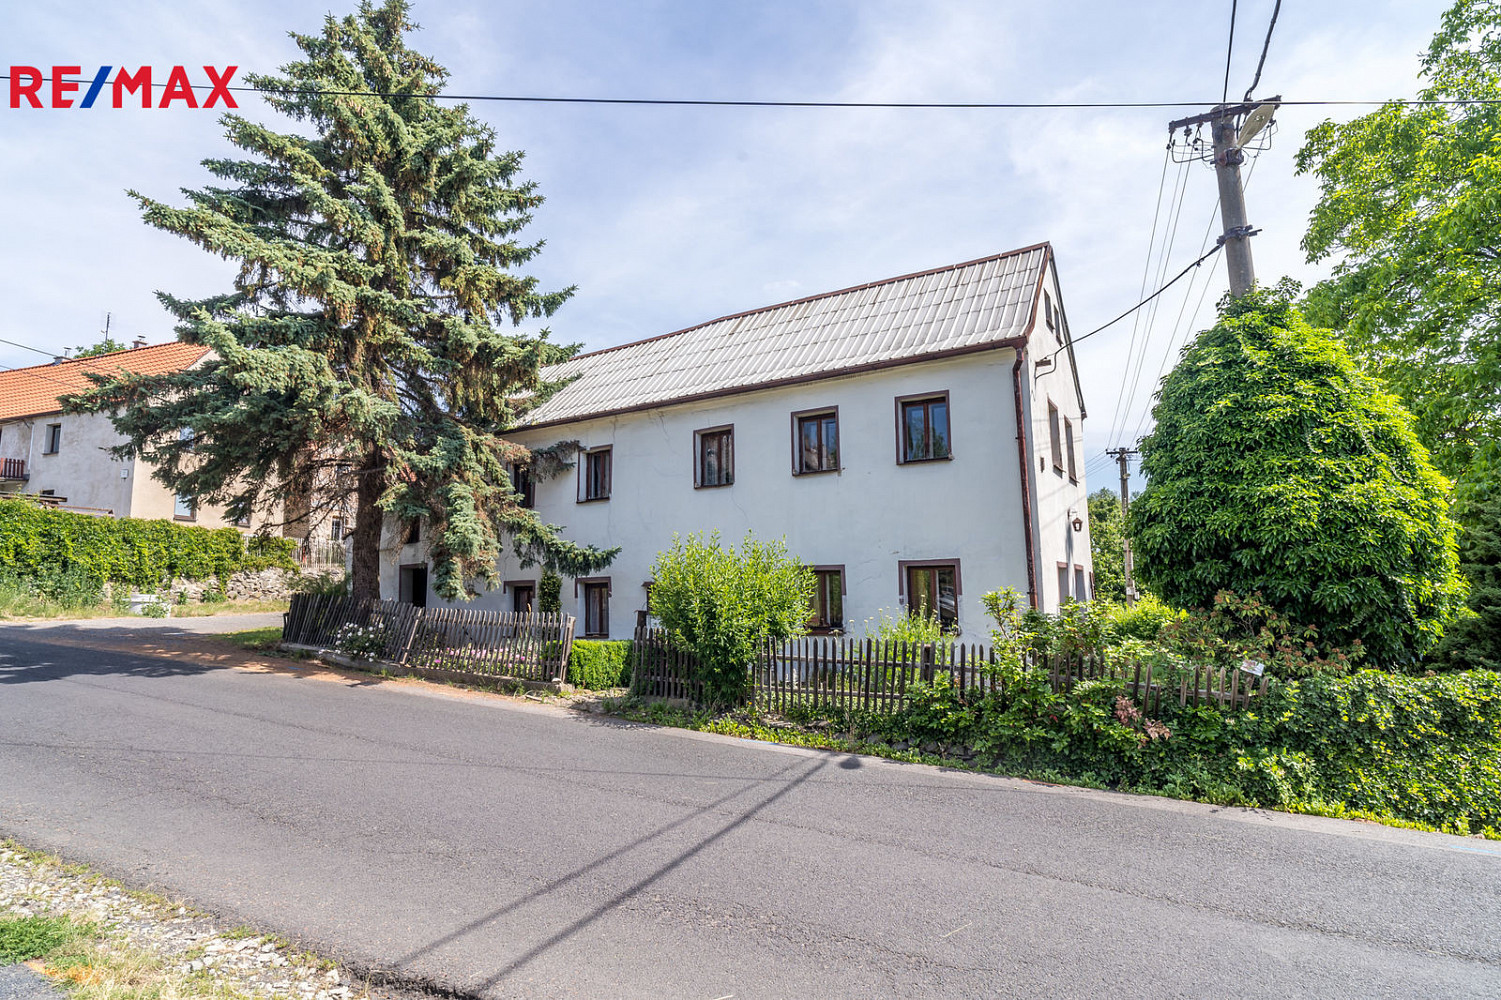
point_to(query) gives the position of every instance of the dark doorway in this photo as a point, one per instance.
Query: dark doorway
(522, 595)
(414, 585)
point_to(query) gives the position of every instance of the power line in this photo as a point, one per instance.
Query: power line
(737, 103)
(1229, 51)
(1193, 319)
(27, 347)
(1150, 323)
(1149, 298)
(1146, 271)
(1264, 46)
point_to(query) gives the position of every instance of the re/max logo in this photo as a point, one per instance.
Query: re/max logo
(26, 84)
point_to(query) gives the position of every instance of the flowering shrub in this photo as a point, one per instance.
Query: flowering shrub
(363, 642)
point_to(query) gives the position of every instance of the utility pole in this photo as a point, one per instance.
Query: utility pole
(1122, 455)
(1231, 126)
(1228, 157)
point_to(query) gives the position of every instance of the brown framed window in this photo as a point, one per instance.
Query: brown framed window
(595, 473)
(1055, 437)
(185, 508)
(524, 486)
(714, 457)
(923, 428)
(54, 443)
(930, 587)
(1068, 444)
(414, 531)
(1063, 581)
(827, 612)
(594, 594)
(1053, 316)
(815, 441)
(1080, 594)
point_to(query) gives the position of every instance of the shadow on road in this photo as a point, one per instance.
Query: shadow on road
(562, 934)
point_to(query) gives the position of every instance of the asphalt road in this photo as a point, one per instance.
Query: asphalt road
(513, 850)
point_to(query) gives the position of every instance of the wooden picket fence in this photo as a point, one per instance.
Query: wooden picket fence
(489, 644)
(822, 673)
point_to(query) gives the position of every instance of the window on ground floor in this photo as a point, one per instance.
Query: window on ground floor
(595, 595)
(933, 588)
(827, 612)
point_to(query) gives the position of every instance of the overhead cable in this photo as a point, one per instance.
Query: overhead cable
(1264, 46)
(735, 103)
(1229, 51)
(1105, 326)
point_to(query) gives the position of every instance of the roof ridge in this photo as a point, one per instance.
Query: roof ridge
(95, 357)
(1044, 245)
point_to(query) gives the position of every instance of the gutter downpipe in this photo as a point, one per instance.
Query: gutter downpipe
(1024, 460)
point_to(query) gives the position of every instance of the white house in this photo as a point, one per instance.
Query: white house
(915, 440)
(64, 458)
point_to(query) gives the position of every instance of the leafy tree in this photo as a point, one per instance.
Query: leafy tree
(1107, 535)
(1410, 207)
(724, 605)
(362, 349)
(106, 346)
(1276, 467)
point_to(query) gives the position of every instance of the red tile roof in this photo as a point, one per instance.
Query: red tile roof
(26, 392)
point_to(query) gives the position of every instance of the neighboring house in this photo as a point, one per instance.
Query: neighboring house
(65, 457)
(917, 441)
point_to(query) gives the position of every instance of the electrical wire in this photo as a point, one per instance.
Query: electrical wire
(1264, 46)
(1229, 51)
(735, 103)
(1193, 319)
(27, 347)
(1146, 272)
(1105, 326)
(1149, 323)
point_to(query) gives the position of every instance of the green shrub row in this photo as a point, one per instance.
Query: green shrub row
(38, 542)
(600, 664)
(1423, 750)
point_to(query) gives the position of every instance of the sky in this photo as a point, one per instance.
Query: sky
(666, 217)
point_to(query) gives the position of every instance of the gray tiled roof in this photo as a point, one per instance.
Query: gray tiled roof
(963, 307)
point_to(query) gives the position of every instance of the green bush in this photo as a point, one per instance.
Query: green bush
(724, 606)
(600, 664)
(1277, 467)
(1424, 750)
(68, 551)
(550, 593)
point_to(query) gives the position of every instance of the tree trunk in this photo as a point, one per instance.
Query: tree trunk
(369, 521)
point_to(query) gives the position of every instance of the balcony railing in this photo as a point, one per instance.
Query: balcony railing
(13, 470)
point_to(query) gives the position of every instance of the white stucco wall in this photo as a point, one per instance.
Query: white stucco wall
(86, 474)
(82, 470)
(868, 517)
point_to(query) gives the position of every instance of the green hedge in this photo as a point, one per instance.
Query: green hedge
(599, 664)
(1419, 750)
(36, 541)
